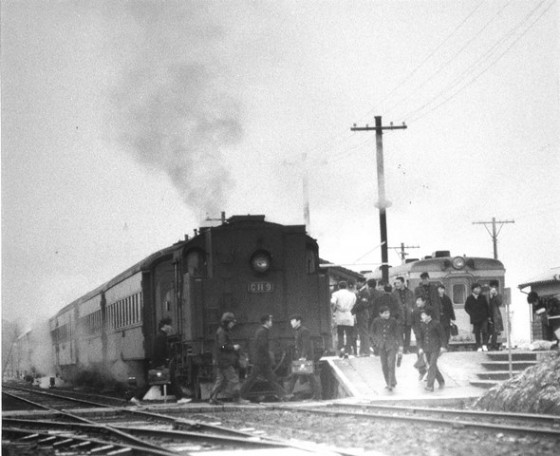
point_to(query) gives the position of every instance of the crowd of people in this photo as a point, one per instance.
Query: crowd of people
(373, 318)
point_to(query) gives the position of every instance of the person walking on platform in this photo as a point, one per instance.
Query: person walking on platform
(416, 325)
(429, 291)
(361, 311)
(494, 304)
(262, 361)
(387, 335)
(303, 352)
(226, 356)
(405, 297)
(477, 308)
(447, 313)
(342, 302)
(161, 361)
(431, 345)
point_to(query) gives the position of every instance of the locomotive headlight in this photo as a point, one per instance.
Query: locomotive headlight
(260, 261)
(458, 262)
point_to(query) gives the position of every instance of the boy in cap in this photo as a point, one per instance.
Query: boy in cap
(226, 357)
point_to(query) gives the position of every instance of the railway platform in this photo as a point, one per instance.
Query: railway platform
(361, 378)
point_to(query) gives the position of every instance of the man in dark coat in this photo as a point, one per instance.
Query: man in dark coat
(226, 356)
(496, 327)
(416, 324)
(387, 337)
(447, 313)
(405, 298)
(304, 351)
(431, 345)
(429, 291)
(262, 361)
(477, 308)
(361, 311)
(160, 360)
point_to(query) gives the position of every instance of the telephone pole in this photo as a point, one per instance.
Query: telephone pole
(403, 248)
(382, 203)
(494, 233)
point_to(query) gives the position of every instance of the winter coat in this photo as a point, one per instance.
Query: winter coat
(495, 313)
(261, 352)
(304, 345)
(386, 333)
(405, 298)
(160, 354)
(432, 337)
(447, 311)
(226, 355)
(431, 295)
(477, 308)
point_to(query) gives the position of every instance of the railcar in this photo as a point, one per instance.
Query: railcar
(246, 265)
(457, 274)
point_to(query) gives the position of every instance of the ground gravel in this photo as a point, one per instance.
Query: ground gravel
(390, 438)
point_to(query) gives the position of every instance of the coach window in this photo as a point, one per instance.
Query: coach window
(459, 293)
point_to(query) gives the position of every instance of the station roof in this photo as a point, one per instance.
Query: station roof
(550, 276)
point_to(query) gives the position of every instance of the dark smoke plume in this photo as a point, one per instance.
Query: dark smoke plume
(171, 112)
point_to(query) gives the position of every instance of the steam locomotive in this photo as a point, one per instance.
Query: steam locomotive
(246, 265)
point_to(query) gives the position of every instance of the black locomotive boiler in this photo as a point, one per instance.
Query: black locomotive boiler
(246, 265)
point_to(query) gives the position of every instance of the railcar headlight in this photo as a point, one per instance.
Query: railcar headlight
(260, 261)
(458, 262)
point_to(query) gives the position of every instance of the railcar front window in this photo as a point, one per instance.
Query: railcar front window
(459, 294)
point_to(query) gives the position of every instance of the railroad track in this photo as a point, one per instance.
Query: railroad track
(42, 399)
(521, 423)
(106, 430)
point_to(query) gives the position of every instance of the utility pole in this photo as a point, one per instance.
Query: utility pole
(382, 203)
(402, 248)
(494, 233)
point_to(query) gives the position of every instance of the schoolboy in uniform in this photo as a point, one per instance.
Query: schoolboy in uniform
(387, 336)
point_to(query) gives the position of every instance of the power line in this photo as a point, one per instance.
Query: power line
(430, 55)
(444, 65)
(457, 80)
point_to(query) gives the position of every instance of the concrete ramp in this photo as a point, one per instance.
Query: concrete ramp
(362, 377)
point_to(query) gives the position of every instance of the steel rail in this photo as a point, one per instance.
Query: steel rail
(553, 419)
(248, 440)
(63, 440)
(193, 424)
(99, 427)
(423, 420)
(58, 396)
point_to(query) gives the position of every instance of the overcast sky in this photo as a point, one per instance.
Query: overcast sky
(125, 122)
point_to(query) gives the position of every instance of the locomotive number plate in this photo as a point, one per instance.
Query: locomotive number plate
(260, 287)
